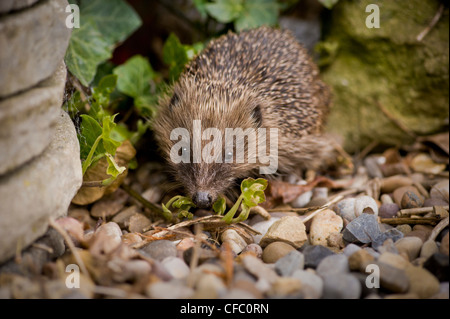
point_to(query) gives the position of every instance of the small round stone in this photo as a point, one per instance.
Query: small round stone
(432, 201)
(411, 200)
(405, 229)
(422, 282)
(275, 251)
(323, 225)
(388, 210)
(160, 249)
(428, 248)
(253, 248)
(410, 246)
(365, 204)
(333, 264)
(341, 286)
(312, 285)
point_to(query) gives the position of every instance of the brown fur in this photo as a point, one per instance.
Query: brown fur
(259, 78)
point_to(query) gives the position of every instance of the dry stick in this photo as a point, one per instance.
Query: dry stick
(433, 22)
(143, 201)
(410, 220)
(439, 227)
(418, 211)
(334, 200)
(72, 247)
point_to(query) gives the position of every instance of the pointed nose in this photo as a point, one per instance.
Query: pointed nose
(202, 199)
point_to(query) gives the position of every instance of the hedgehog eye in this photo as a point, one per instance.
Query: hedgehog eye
(174, 100)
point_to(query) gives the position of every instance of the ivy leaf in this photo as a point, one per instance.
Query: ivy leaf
(220, 206)
(109, 143)
(113, 168)
(257, 13)
(90, 130)
(225, 11)
(253, 191)
(101, 95)
(134, 76)
(87, 49)
(174, 55)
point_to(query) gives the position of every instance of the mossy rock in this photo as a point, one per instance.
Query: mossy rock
(386, 68)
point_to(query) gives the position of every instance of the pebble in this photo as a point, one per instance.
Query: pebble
(302, 200)
(185, 244)
(362, 229)
(386, 199)
(249, 287)
(176, 267)
(106, 238)
(399, 192)
(160, 249)
(236, 293)
(405, 229)
(332, 265)
(444, 245)
(421, 231)
(262, 228)
(323, 225)
(441, 191)
(428, 249)
(123, 217)
(350, 249)
(392, 278)
(288, 264)
(257, 268)
(388, 246)
(336, 240)
(209, 286)
(138, 223)
(410, 246)
(341, 286)
(438, 265)
(359, 260)
(411, 199)
(422, 282)
(131, 239)
(236, 242)
(284, 287)
(433, 201)
(203, 255)
(254, 249)
(109, 205)
(275, 251)
(311, 284)
(365, 204)
(169, 290)
(346, 208)
(317, 202)
(392, 233)
(389, 210)
(314, 255)
(389, 184)
(289, 229)
(393, 260)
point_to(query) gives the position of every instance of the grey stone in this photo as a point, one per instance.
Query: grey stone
(341, 286)
(169, 290)
(314, 255)
(388, 210)
(393, 234)
(333, 264)
(350, 249)
(160, 249)
(33, 42)
(176, 267)
(41, 189)
(362, 229)
(312, 285)
(365, 204)
(346, 208)
(27, 120)
(291, 262)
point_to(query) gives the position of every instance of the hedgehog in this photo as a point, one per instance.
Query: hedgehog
(260, 78)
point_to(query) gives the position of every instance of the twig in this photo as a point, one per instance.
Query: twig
(439, 227)
(417, 211)
(154, 208)
(433, 22)
(322, 208)
(71, 245)
(410, 220)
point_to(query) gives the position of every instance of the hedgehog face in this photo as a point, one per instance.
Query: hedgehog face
(209, 136)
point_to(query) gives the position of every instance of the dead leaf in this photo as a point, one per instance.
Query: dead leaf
(423, 163)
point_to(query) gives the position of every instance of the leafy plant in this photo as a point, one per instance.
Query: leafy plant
(245, 14)
(104, 24)
(183, 203)
(252, 194)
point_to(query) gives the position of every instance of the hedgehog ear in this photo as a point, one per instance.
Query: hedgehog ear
(257, 115)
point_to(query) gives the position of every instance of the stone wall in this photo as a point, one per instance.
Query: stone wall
(40, 170)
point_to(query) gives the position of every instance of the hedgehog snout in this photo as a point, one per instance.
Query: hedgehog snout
(202, 199)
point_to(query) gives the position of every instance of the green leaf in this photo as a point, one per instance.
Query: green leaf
(185, 214)
(101, 95)
(146, 105)
(90, 130)
(183, 201)
(109, 143)
(225, 10)
(113, 169)
(257, 13)
(87, 49)
(174, 55)
(220, 206)
(115, 19)
(74, 104)
(134, 76)
(200, 5)
(329, 4)
(253, 191)
(103, 24)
